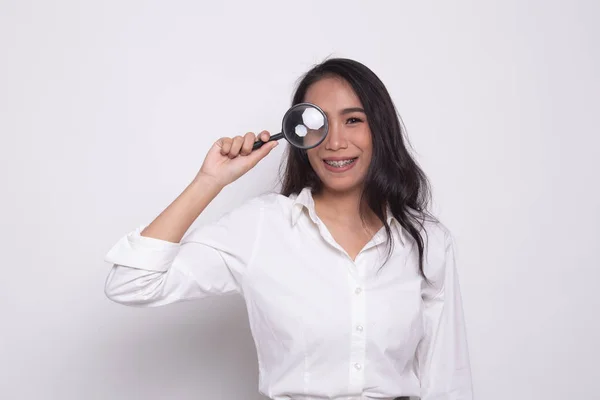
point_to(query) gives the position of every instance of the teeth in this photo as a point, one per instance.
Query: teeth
(340, 164)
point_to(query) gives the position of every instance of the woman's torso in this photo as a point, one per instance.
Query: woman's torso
(324, 323)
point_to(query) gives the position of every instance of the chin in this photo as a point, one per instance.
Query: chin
(342, 185)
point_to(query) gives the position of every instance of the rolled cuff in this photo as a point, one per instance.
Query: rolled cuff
(141, 252)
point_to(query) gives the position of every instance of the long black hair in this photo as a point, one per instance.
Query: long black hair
(393, 176)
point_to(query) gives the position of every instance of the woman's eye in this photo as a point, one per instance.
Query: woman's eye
(353, 120)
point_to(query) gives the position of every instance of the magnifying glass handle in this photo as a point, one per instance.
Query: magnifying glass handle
(259, 144)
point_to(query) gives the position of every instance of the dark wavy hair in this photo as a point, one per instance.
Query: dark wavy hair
(393, 176)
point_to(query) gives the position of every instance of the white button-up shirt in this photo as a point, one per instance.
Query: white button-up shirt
(325, 326)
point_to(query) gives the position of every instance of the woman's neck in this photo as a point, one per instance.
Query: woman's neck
(342, 207)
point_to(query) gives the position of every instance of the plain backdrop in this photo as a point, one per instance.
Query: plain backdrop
(107, 109)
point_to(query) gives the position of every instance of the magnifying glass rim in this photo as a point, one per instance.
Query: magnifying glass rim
(292, 108)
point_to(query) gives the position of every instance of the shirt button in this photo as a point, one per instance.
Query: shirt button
(357, 290)
(359, 328)
(357, 366)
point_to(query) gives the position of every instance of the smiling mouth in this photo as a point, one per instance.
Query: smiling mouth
(340, 163)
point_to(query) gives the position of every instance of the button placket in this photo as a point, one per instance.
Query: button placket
(358, 342)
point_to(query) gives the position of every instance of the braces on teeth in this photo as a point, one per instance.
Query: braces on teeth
(340, 163)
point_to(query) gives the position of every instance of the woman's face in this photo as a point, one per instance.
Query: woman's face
(341, 161)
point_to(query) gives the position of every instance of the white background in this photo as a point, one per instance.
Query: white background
(107, 109)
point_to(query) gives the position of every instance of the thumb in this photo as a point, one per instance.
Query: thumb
(262, 151)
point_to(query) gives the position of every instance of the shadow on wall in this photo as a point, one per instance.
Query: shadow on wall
(190, 350)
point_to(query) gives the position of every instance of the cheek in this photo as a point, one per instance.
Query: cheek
(311, 153)
(313, 158)
(366, 143)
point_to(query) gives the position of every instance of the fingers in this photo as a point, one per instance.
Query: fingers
(261, 152)
(247, 144)
(264, 136)
(236, 146)
(225, 144)
(242, 145)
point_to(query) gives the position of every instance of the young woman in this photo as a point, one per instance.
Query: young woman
(350, 283)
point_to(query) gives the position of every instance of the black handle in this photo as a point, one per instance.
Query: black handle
(259, 144)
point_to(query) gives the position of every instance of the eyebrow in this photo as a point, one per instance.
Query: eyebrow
(348, 111)
(351, 110)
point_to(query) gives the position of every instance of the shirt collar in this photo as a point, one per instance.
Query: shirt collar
(305, 200)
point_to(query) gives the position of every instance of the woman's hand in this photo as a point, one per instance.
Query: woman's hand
(230, 158)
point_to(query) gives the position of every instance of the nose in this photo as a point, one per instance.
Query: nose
(336, 138)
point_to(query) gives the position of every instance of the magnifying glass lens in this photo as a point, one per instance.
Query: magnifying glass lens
(305, 126)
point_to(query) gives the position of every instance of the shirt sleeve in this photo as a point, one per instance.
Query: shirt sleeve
(442, 355)
(210, 260)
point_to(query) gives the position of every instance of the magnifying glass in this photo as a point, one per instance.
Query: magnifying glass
(304, 126)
